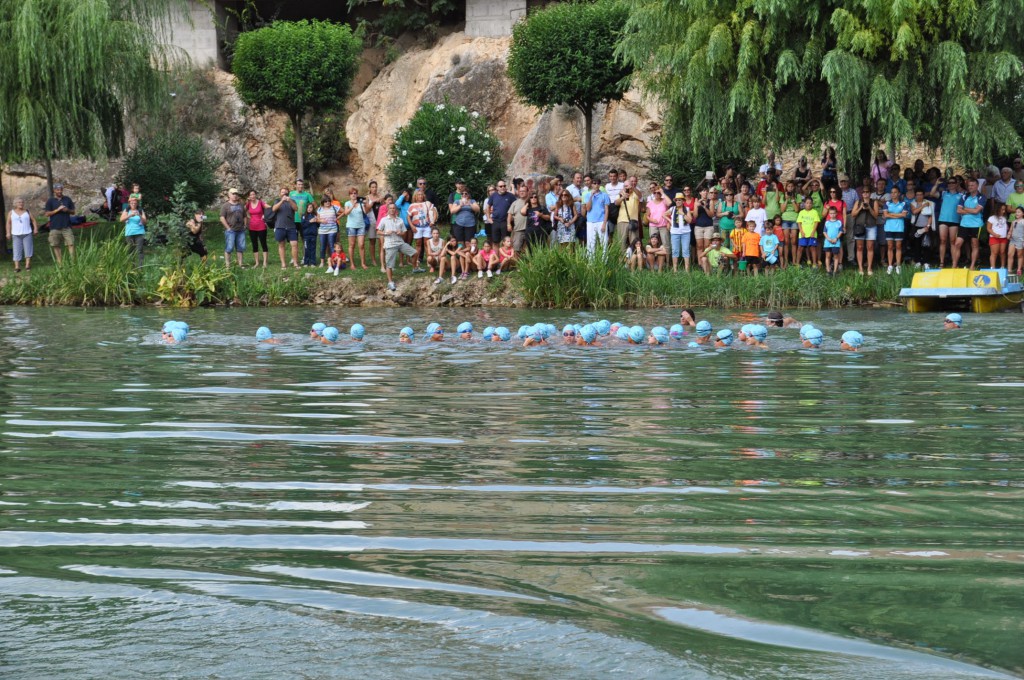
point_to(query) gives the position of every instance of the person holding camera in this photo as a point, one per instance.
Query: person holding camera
(134, 219)
(464, 211)
(355, 211)
(194, 235)
(627, 225)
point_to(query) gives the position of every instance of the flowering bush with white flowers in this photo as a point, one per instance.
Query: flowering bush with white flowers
(443, 143)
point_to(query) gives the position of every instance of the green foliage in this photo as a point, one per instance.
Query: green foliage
(296, 66)
(191, 284)
(687, 167)
(565, 54)
(102, 273)
(416, 16)
(169, 228)
(788, 73)
(72, 70)
(162, 162)
(443, 143)
(570, 279)
(197, 104)
(323, 141)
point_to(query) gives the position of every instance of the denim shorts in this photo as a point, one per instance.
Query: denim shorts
(788, 225)
(680, 244)
(234, 241)
(358, 231)
(870, 234)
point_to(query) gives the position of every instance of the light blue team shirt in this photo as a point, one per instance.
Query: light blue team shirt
(770, 247)
(598, 202)
(832, 229)
(976, 220)
(354, 219)
(895, 224)
(947, 208)
(133, 226)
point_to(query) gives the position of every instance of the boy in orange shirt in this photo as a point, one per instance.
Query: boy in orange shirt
(751, 247)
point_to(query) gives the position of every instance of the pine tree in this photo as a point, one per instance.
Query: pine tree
(851, 72)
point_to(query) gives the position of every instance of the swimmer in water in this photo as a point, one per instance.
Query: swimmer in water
(852, 341)
(465, 330)
(813, 338)
(535, 337)
(177, 336)
(569, 335)
(603, 328)
(677, 332)
(501, 334)
(357, 332)
(744, 332)
(637, 335)
(330, 335)
(703, 330)
(317, 331)
(687, 319)
(435, 333)
(723, 338)
(757, 335)
(587, 337)
(953, 322)
(264, 335)
(488, 334)
(778, 320)
(658, 336)
(406, 335)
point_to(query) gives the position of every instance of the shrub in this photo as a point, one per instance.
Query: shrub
(160, 162)
(169, 228)
(442, 143)
(323, 141)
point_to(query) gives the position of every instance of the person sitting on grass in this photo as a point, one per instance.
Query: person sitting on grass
(807, 221)
(657, 255)
(449, 256)
(337, 260)
(393, 229)
(506, 255)
(433, 250)
(635, 255)
(715, 256)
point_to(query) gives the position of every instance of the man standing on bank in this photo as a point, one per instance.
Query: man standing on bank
(59, 208)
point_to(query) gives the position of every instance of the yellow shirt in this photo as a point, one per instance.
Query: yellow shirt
(808, 221)
(629, 209)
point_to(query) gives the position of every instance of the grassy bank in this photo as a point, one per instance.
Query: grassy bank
(561, 278)
(103, 274)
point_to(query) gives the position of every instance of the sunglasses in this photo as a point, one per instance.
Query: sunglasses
(569, 334)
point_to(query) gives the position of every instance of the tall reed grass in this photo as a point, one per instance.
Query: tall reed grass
(102, 273)
(572, 279)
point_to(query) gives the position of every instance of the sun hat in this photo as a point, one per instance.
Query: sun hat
(955, 319)
(263, 333)
(725, 336)
(636, 334)
(703, 328)
(465, 327)
(488, 333)
(331, 334)
(758, 331)
(179, 334)
(660, 334)
(716, 237)
(503, 333)
(589, 333)
(357, 332)
(853, 338)
(814, 336)
(603, 327)
(622, 333)
(676, 331)
(318, 328)
(407, 332)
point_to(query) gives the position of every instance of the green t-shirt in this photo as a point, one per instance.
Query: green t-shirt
(1013, 202)
(808, 221)
(302, 199)
(715, 255)
(772, 201)
(790, 209)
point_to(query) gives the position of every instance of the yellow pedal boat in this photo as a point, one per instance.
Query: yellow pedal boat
(979, 290)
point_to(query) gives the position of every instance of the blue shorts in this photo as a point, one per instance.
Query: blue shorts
(870, 234)
(894, 236)
(282, 234)
(835, 250)
(788, 225)
(358, 231)
(234, 241)
(807, 242)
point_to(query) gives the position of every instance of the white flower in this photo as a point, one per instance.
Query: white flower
(440, 107)
(453, 128)
(462, 129)
(462, 140)
(470, 146)
(419, 141)
(440, 152)
(451, 172)
(404, 152)
(475, 114)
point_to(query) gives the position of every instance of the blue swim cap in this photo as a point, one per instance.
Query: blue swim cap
(577, 327)
(804, 329)
(331, 334)
(746, 329)
(407, 332)
(547, 329)
(636, 334)
(263, 333)
(603, 327)
(677, 331)
(588, 333)
(503, 333)
(537, 333)
(660, 334)
(622, 333)
(357, 332)
(179, 334)
(488, 332)
(318, 328)
(168, 326)
(183, 326)
(955, 318)
(568, 329)
(758, 331)
(693, 344)
(703, 328)
(615, 327)
(431, 329)
(523, 332)
(814, 336)
(725, 335)
(465, 327)
(853, 338)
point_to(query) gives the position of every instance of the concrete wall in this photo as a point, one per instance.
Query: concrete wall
(194, 32)
(490, 18)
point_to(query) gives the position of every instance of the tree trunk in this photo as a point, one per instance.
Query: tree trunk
(3, 213)
(49, 175)
(867, 155)
(300, 162)
(588, 127)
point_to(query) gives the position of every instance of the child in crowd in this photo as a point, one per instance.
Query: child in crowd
(486, 260)
(337, 261)
(1016, 243)
(449, 256)
(309, 231)
(656, 253)
(807, 221)
(468, 253)
(327, 229)
(434, 248)
(833, 241)
(998, 236)
(716, 256)
(506, 255)
(751, 244)
(635, 255)
(771, 245)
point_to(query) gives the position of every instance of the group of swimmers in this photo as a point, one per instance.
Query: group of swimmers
(591, 334)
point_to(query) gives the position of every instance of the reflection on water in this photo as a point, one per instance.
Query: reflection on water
(477, 510)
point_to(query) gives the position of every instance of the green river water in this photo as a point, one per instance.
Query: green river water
(227, 510)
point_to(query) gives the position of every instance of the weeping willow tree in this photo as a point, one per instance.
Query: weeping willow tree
(852, 72)
(74, 71)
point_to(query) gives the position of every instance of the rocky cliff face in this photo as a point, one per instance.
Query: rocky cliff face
(471, 72)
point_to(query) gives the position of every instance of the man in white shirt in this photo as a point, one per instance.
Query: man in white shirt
(1003, 187)
(575, 189)
(614, 189)
(763, 170)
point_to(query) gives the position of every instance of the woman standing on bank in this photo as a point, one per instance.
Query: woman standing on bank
(134, 219)
(21, 226)
(257, 228)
